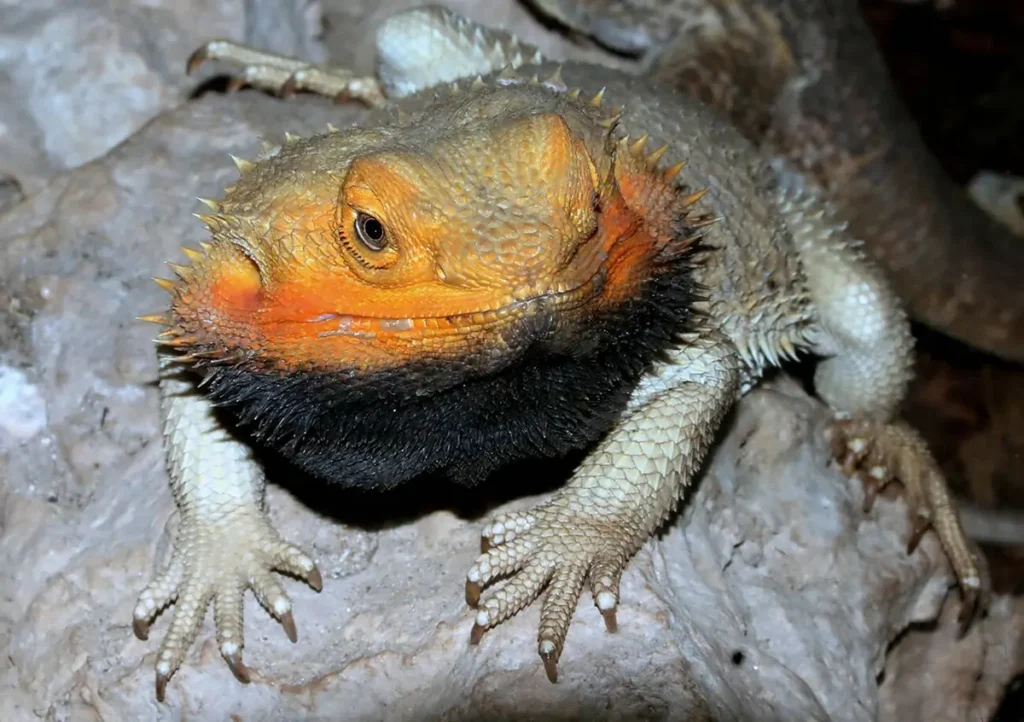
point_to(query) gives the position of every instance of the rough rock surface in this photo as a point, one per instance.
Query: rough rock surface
(86, 75)
(771, 597)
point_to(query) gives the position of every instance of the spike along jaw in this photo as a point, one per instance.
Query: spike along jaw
(652, 195)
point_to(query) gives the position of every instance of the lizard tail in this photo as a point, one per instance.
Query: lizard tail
(838, 116)
(807, 81)
(957, 270)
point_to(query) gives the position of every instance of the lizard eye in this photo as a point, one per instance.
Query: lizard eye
(371, 232)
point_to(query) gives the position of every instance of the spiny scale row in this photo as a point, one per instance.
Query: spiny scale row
(495, 46)
(757, 351)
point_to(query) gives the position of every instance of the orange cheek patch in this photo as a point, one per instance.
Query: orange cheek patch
(335, 322)
(224, 286)
(629, 246)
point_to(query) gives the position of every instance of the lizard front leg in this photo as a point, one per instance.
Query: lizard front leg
(615, 500)
(224, 542)
(865, 339)
(416, 49)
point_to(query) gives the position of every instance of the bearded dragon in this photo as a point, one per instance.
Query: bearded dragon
(509, 259)
(804, 80)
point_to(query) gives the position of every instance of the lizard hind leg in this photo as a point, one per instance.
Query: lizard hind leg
(285, 76)
(416, 49)
(864, 337)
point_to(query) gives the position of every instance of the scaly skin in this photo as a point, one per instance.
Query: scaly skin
(804, 79)
(492, 271)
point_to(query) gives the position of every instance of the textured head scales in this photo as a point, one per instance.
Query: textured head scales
(370, 297)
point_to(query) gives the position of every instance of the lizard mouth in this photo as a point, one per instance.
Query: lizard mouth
(222, 313)
(566, 300)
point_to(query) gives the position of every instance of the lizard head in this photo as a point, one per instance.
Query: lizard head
(360, 252)
(392, 265)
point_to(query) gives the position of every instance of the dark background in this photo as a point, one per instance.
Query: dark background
(961, 72)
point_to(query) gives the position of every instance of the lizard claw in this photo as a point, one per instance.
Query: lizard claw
(141, 628)
(217, 562)
(314, 579)
(922, 524)
(161, 685)
(552, 548)
(196, 59)
(289, 87)
(549, 655)
(611, 622)
(473, 591)
(972, 602)
(238, 667)
(288, 622)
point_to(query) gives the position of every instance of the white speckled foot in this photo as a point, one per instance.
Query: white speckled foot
(879, 454)
(217, 562)
(548, 546)
(283, 75)
(618, 496)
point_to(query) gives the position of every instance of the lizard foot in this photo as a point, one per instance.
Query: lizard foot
(217, 561)
(286, 76)
(881, 453)
(551, 546)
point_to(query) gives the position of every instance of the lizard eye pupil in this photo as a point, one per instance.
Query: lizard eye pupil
(371, 232)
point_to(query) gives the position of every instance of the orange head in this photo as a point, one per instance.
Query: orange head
(361, 251)
(517, 250)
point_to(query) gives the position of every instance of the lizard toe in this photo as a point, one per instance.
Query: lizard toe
(273, 598)
(556, 614)
(290, 559)
(189, 609)
(157, 595)
(499, 604)
(604, 585)
(498, 561)
(227, 615)
(504, 528)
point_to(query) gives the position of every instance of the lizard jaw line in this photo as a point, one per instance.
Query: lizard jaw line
(565, 299)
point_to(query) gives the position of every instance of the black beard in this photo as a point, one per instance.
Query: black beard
(561, 390)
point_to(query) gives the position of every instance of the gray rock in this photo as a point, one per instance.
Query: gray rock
(770, 597)
(87, 74)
